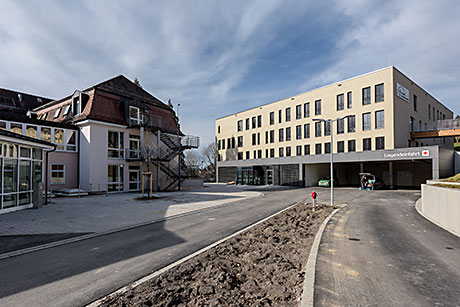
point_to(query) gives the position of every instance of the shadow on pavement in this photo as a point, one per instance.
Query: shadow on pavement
(17, 242)
(39, 268)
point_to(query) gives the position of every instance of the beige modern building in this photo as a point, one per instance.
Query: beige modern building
(375, 113)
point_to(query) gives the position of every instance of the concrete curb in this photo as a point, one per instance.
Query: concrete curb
(182, 260)
(98, 234)
(418, 207)
(309, 281)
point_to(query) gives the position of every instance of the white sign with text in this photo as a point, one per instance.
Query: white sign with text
(402, 92)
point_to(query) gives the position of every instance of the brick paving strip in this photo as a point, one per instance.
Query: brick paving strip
(262, 265)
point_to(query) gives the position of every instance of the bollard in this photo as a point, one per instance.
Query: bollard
(313, 197)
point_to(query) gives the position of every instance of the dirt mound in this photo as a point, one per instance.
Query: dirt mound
(260, 267)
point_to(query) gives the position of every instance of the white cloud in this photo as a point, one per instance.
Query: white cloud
(418, 37)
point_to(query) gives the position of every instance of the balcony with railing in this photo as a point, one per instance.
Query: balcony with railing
(190, 141)
(439, 128)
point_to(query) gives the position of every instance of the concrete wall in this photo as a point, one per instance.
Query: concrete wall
(70, 162)
(457, 162)
(403, 110)
(190, 184)
(442, 206)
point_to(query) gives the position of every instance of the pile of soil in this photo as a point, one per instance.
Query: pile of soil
(262, 266)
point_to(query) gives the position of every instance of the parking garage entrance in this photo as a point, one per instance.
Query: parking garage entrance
(394, 174)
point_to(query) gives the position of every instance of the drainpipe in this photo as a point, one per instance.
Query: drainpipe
(46, 173)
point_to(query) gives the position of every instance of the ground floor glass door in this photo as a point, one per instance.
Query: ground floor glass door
(134, 178)
(115, 178)
(269, 176)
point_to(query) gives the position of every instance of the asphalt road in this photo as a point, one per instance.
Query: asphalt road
(379, 251)
(78, 273)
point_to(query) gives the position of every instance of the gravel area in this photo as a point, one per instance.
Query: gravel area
(260, 267)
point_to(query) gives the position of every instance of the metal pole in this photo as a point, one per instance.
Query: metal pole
(332, 164)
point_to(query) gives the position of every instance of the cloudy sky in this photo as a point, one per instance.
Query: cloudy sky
(220, 57)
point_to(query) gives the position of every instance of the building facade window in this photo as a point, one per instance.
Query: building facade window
(134, 116)
(366, 121)
(239, 126)
(306, 149)
(306, 131)
(57, 174)
(272, 152)
(247, 124)
(56, 114)
(288, 133)
(351, 123)
(317, 129)
(327, 128)
(341, 126)
(115, 175)
(327, 148)
(281, 152)
(349, 100)
(379, 96)
(380, 143)
(366, 93)
(240, 141)
(340, 146)
(272, 136)
(288, 151)
(266, 137)
(367, 144)
(429, 112)
(317, 149)
(59, 139)
(351, 145)
(248, 155)
(340, 102)
(281, 135)
(254, 139)
(115, 144)
(298, 132)
(272, 118)
(66, 110)
(280, 116)
(306, 109)
(298, 150)
(254, 122)
(240, 155)
(259, 121)
(318, 107)
(415, 102)
(288, 114)
(379, 119)
(259, 154)
(298, 112)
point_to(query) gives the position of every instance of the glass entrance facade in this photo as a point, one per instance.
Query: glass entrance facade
(21, 167)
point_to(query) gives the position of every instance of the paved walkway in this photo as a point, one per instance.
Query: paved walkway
(101, 213)
(378, 251)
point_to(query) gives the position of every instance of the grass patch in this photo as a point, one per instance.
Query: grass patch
(452, 186)
(455, 178)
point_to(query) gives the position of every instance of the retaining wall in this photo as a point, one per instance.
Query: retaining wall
(442, 206)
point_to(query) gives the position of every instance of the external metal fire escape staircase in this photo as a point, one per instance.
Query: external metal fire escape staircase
(171, 160)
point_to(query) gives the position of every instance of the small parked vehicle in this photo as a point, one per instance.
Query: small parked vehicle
(371, 182)
(326, 182)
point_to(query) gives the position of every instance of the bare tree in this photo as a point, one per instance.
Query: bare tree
(193, 161)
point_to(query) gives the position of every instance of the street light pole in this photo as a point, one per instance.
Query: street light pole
(331, 127)
(332, 161)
